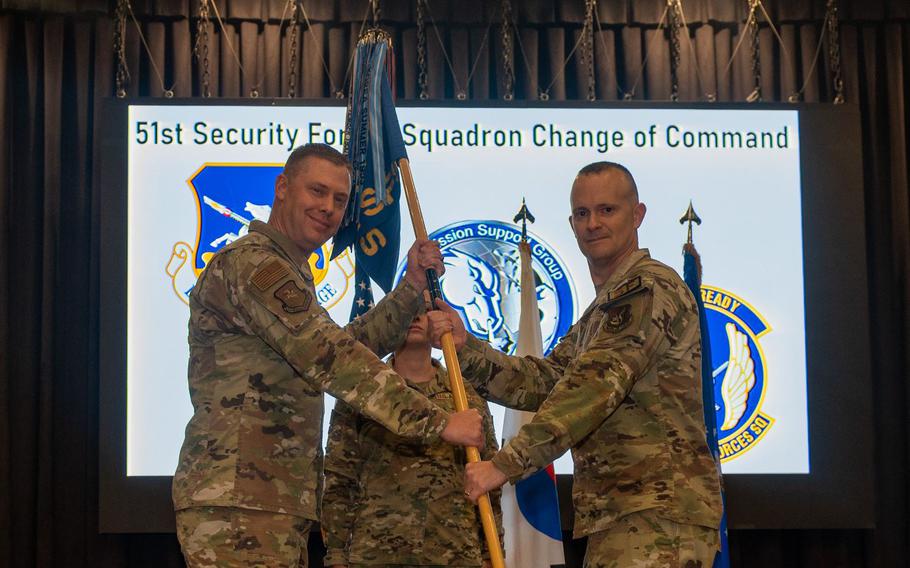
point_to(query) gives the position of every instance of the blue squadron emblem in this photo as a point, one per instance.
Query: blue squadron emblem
(739, 369)
(228, 198)
(482, 282)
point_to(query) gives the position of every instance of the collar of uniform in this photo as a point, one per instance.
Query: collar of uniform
(620, 274)
(285, 244)
(439, 382)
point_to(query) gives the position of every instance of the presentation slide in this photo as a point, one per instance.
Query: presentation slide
(198, 175)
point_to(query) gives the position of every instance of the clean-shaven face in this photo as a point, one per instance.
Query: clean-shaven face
(605, 217)
(313, 196)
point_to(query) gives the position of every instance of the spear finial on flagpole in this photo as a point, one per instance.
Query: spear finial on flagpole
(690, 217)
(524, 215)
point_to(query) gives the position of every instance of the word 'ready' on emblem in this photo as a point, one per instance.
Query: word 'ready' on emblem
(739, 370)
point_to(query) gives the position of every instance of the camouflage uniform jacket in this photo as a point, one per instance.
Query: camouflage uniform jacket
(389, 500)
(262, 351)
(623, 390)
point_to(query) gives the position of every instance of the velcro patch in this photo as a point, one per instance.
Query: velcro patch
(293, 299)
(268, 275)
(618, 317)
(625, 288)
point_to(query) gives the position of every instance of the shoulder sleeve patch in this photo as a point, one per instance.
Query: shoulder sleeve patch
(293, 298)
(268, 275)
(618, 317)
(278, 288)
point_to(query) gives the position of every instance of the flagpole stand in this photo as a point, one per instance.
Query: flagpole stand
(452, 365)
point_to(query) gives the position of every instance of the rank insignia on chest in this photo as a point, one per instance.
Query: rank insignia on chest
(618, 318)
(293, 299)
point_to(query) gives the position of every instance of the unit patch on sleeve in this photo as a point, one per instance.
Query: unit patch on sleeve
(293, 299)
(618, 317)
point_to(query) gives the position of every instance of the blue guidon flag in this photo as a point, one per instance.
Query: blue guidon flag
(373, 143)
(692, 276)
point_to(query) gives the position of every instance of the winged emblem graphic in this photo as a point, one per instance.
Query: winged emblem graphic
(739, 377)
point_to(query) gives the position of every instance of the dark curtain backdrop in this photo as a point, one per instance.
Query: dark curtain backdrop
(57, 63)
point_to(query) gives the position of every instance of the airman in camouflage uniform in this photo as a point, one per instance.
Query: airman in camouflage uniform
(390, 501)
(622, 390)
(262, 351)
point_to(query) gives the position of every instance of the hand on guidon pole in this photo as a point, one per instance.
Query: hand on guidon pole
(480, 478)
(464, 428)
(423, 255)
(444, 319)
(449, 349)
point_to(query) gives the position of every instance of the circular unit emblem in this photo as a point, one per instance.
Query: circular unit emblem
(483, 282)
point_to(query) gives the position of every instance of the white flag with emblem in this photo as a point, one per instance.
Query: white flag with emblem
(530, 509)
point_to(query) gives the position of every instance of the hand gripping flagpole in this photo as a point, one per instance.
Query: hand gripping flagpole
(374, 145)
(452, 365)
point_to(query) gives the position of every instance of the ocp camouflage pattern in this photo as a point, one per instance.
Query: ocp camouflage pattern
(262, 351)
(393, 501)
(623, 390)
(231, 537)
(646, 540)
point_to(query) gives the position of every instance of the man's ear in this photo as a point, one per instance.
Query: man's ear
(638, 214)
(281, 187)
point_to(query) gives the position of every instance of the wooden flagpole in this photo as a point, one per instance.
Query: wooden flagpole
(452, 365)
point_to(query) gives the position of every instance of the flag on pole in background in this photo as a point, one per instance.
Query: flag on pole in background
(692, 276)
(373, 144)
(530, 508)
